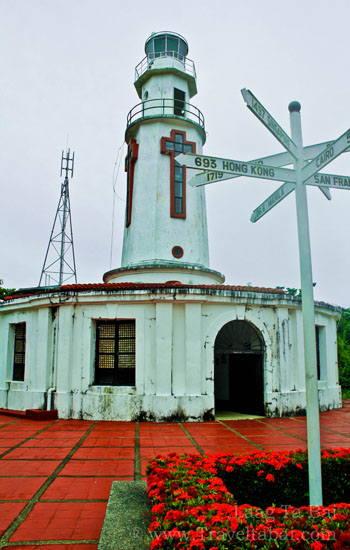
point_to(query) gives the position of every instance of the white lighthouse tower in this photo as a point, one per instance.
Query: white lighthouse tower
(165, 234)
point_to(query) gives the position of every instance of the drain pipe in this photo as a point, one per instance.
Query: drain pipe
(49, 399)
(55, 323)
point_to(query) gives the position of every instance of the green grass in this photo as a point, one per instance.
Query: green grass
(345, 393)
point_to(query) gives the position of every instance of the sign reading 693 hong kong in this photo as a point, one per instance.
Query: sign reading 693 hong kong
(236, 167)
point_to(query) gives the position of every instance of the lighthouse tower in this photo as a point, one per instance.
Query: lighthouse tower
(165, 233)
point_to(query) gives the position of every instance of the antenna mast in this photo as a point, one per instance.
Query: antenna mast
(59, 263)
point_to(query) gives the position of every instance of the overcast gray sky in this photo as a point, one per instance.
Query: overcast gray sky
(68, 68)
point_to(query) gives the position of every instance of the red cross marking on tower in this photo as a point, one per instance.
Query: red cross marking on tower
(130, 159)
(173, 146)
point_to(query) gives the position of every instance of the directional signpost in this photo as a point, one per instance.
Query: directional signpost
(304, 173)
(281, 159)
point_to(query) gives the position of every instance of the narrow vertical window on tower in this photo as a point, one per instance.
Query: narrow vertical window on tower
(174, 146)
(321, 351)
(130, 160)
(19, 352)
(115, 353)
(179, 102)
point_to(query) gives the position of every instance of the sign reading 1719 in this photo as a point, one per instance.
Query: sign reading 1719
(236, 167)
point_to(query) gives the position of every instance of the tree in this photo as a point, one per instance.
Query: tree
(343, 333)
(5, 291)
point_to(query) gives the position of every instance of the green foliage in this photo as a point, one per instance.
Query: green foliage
(261, 483)
(5, 291)
(343, 333)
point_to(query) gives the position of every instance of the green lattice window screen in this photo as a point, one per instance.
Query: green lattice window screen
(115, 353)
(19, 352)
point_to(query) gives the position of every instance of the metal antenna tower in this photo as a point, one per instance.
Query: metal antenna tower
(59, 263)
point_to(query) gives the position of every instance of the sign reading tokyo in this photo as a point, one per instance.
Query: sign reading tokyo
(235, 167)
(271, 124)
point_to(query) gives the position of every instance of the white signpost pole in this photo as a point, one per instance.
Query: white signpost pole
(311, 383)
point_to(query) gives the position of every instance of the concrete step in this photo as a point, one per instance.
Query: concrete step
(31, 414)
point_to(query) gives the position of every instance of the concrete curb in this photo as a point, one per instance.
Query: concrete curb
(127, 519)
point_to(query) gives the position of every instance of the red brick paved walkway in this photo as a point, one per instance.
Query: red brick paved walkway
(55, 477)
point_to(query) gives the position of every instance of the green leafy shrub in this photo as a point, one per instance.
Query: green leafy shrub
(264, 478)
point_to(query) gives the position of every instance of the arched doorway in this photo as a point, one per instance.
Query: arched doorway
(239, 368)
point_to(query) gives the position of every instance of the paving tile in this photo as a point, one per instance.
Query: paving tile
(61, 442)
(278, 422)
(104, 453)
(275, 440)
(112, 434)
(129, 427)
(99, 468)
(4, 449)
(345, 430)
(152, 452)
(215, 430)
(8, 512)
(11, 434)
(243, 423)
(228, 449)
(60, 434)
(40, 454)
(54, 547)
(109, 442)
(162, 441)
(252, 430)
(67, 488)
(6, 419)
(27, 467)
(18, 488)
(332, 437)
(8, 443)
(166, 429)
(67, 521)
(212, 440)
(284, 447)
(335, 445)
(71, 425)
(144, 466)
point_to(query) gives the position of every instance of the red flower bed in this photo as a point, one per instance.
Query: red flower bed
(192, 509)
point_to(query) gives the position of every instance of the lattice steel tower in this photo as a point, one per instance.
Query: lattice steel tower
(59, 263)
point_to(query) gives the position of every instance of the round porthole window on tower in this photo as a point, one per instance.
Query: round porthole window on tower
(177, 252)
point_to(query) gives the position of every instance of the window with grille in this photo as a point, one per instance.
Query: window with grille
(115, 353)
(19, 352)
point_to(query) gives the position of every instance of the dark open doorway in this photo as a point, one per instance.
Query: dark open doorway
(239, 369)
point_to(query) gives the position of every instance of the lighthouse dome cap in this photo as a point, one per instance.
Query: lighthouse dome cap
(166, 41)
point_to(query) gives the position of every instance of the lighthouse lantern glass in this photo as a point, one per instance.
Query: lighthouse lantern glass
(165, 45)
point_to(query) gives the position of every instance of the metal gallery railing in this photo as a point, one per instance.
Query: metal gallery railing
(148, 63)
(163, 107)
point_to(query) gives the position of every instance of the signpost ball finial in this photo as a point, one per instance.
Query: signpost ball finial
(294, 106)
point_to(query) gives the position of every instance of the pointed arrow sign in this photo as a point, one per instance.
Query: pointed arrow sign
(236, 167)
(271, 124)
(329, 180)
(327, 155)
(280, 159)
(271, 201)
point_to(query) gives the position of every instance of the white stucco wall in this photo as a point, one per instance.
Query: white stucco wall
(175, 337)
